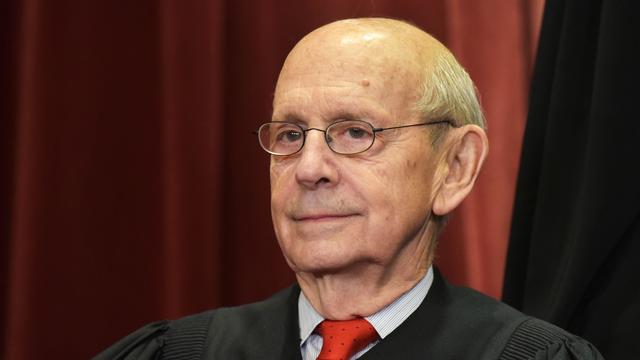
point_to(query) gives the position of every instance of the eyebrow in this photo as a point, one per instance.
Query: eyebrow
(338, 114)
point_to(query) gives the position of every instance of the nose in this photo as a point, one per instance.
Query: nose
(316, 166)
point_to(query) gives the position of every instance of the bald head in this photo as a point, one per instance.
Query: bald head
(435, 84)
(384, 37)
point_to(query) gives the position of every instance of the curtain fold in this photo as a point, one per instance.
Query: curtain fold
(9, 15)
(192, 97)
(575, 236)
(131, 186)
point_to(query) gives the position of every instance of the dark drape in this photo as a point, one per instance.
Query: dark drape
(574, 255)
(131, 188)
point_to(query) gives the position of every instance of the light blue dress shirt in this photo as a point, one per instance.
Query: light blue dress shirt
(384, 321)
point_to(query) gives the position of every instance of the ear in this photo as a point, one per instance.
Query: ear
(466, 153)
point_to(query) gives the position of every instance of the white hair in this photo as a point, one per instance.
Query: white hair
(449, 94)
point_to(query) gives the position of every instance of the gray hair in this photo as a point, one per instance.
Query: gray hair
(448, 93)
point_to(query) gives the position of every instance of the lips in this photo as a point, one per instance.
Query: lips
(322, 217)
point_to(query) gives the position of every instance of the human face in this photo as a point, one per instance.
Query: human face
(333, 212)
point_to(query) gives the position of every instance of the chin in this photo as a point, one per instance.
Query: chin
(319, 259)
(321, 247)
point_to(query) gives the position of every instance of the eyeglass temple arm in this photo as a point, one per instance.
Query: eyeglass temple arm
(410, 125)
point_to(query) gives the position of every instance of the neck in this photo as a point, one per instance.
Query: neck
(362, 289)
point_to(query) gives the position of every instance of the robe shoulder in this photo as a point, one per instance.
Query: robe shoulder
(515, 336)
(536, 339)
(158, 340)
(214, 333)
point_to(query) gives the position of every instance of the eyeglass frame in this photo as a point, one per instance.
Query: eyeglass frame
(374, 130)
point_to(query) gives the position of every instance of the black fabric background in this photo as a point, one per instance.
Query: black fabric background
(574, 253)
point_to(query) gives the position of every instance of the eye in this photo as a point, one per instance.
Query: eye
(286, 133)
(350, 136)
(356, 132)
(351, 131)
(289, 135)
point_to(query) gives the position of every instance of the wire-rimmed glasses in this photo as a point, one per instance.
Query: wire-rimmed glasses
(346, 137)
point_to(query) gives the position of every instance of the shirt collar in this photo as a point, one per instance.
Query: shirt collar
(384, 321)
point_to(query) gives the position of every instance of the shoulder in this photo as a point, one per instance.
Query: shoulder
(498, 331)
(250, 313)
(476, 310)
(189, 336)
(538, 339)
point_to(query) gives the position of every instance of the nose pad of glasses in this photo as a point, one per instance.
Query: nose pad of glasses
(328, 139)
(324, 134)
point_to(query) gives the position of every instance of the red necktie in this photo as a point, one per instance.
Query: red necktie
(342, 339)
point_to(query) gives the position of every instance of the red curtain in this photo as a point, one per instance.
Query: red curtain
(131, 187)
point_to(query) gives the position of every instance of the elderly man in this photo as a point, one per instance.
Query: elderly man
(376, 136)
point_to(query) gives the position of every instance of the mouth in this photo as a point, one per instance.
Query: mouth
(322, 217)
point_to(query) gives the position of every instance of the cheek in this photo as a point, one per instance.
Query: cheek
(275, 172)
(400, 190)
(417, 179)
(399, 178)
(280, 189)
(278, 206)
(279, 174)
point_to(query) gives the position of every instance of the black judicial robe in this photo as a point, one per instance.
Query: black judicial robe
(451, 323)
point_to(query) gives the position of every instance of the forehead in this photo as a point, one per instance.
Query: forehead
(347, 74)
